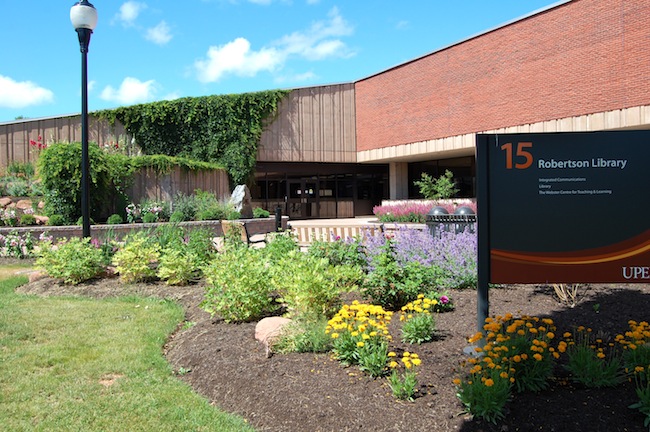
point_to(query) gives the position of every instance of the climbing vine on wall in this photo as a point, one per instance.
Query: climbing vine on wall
(223, 129)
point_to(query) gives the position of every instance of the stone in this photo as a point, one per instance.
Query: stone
(241, 199)
(4, 201)
(41, 220)
(268, 329)
(36, 275)
(24, 204)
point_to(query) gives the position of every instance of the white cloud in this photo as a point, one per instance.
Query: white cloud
(14, 94)
(129, 12)
(160, 34)
(236, 58)
(320, 41)
(131, 91)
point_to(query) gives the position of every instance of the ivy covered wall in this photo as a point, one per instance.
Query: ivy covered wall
(223, 129)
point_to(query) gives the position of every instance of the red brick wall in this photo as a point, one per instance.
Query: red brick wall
(582, 57)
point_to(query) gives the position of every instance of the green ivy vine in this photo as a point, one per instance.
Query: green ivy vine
(222, 129)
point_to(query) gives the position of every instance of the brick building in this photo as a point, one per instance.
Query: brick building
(338, 150)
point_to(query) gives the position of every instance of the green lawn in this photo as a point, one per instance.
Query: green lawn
(76, 364)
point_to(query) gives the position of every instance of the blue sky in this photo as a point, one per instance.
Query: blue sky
(149, 50)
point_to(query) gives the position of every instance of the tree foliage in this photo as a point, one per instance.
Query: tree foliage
(440, 188)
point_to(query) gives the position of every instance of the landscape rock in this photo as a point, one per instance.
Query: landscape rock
(24, 204)
(36, 275)
(4, 201)
(268, 329)
(241, 199)
(41, 220)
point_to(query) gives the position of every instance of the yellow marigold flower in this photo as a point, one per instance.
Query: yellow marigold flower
(639, 369)
(503, 375)
(524, 356)
(393, 364)
(457, 381)
(538, 357)
(392, 354)
(416, 361)
(512, 379)
(354, 333)
(568, 334)
(600, 355)
(516, 358)
(632, 346)
(556, 355)
(406, 354)
(360, 344)
(550, 335)
(334, 335)
(489, 382)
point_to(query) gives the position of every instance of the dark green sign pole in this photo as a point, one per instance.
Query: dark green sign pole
(483, 232)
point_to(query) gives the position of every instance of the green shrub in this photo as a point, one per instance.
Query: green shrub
(304, 336)
(56, 220)
(177, 216)
(418, 328)
(114, 219)
(186, 205)
(58, 167)
(149, 218)
(213, 213)
(80, 221)
(178, 266)
(339, 251)
(24, 169)
(27, 219)
(309, 286)
(73, 261)
(237, 286)
(279, 245)
(259, 212)
(18, 188)
(440, 188)
(137, 260)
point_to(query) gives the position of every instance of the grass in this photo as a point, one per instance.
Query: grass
(94, 365)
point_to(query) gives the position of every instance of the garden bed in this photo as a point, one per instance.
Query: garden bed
(312, 392)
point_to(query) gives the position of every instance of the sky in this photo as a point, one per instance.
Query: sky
(151, 50)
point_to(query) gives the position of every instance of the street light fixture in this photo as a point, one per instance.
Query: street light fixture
(84, 19)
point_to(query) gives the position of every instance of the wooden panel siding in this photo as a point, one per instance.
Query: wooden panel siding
(315, 124)
(15, 136)
(149, 185)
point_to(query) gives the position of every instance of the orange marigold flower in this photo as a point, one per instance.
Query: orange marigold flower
(489, 382)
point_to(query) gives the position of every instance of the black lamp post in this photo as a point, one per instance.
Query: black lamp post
(84, 19)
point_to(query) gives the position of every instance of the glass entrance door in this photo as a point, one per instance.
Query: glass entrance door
(302, 198)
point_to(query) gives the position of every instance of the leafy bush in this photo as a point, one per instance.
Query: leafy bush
(56, 220)
(441, 188)
(58, 166)
(114, 219)
(8, 217)
(80, 221)
(237, 286)
(27, 219)
(24, 169)
(177, 216)
(304, 336)
(259, 212)
(339, 251)
(73, 261)
(137, 260)
(18, 188)
(149, 218)
(177, 266)
(185, 205)
(310, 286)
(279, 245)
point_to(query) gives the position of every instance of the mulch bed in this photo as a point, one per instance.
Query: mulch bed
(312, 392)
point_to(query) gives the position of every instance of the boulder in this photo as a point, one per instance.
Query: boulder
(268, 329)
(41, 220)
(36, 275)
(24, 204)
(241, 199)
(4, 201)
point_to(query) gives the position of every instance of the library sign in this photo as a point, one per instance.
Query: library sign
(564, 207)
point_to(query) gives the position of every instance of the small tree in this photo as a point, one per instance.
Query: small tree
(441, 188)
